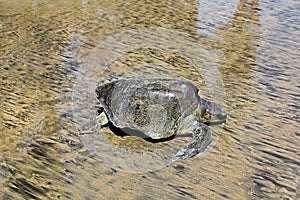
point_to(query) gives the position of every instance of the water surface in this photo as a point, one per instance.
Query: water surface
(243, 54)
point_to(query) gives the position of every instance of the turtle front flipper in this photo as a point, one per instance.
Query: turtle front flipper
(200, 140)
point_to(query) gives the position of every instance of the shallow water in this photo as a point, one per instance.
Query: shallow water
(241, 54)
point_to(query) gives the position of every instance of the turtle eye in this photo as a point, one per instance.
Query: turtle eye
(205, 115)
(203, 111)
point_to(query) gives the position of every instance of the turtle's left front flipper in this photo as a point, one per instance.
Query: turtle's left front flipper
(200, 140)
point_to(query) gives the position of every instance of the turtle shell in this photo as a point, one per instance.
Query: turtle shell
(150, 107)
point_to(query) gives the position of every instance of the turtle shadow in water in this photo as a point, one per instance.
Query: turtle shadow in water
(122, 133)
(119, 132)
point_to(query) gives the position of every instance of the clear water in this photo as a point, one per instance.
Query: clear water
(242, 54)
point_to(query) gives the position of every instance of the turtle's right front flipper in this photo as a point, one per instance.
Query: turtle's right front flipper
(200, 140)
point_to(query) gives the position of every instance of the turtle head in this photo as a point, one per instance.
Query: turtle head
(213, 113)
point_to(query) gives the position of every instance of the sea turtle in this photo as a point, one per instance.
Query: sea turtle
(159, 108)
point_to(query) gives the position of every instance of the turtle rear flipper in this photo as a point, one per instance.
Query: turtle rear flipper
(200, 140)
(102, 118)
